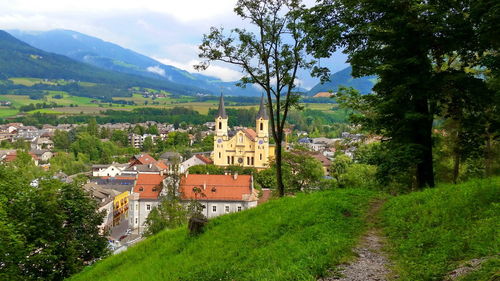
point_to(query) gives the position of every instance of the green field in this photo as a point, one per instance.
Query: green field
(293, 238)
(435, 231)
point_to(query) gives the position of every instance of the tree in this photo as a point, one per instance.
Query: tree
(339, 167)
(93, 128)
(148, 144)
(408, 45)
(300, 172)
(47, 232)
(270, 58)
(61, 140)
(170, 213)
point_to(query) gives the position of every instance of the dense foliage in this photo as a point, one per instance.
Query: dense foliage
(48, 229)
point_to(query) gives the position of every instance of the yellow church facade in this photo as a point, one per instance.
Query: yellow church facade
(247, 147)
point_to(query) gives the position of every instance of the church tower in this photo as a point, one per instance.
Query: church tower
(221, 119)
(221, 134)
(262, 139)
(262, 126)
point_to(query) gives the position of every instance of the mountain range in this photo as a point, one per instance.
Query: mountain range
(73, 55)
(344, 78)
(18, 59)
(106, 55)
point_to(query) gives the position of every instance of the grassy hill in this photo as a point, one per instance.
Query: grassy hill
(437, 230)
(287, 239)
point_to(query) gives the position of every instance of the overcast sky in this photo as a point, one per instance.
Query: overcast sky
(167, 30)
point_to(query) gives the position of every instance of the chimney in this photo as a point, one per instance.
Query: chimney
(235, 176)
(135, 168)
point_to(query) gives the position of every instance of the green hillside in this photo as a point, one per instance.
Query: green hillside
(435, 231)
(287, 239)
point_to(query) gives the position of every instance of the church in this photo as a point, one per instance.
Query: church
(248, 147)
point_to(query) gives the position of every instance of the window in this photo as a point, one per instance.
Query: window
(226, 209)
(239, 208)
(141, 189)
(260, 156)
(219, 155)
(220, 125)
(240, 139)
(148, 207)
(214, 209)
(135, 220)
(136, 207)
(203, 206)
(228, 160)
(261, 126)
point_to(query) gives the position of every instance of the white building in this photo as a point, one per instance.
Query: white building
(219, 194)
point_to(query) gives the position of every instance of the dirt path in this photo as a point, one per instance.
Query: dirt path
(371, 262)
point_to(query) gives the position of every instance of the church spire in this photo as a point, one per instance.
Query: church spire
(222, 110)
(262, 110)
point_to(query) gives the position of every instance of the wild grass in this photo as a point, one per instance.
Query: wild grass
(434, 231)
(295, 238)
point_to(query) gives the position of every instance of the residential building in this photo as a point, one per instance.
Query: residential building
(219, 194)
(144, 198)
(196, 159)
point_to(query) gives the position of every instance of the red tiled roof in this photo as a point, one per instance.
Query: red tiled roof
(250, 133)
(217, 187)
(144, 159)
(148, 182)
(204, 159)
(161, 165)
(13, 155)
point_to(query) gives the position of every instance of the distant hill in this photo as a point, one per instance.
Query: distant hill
(106, 55)
(344, 78)
(18, 59)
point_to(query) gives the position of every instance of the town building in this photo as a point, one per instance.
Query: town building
(196, 159)
(144, 198)
(219, 194)
(244, 147)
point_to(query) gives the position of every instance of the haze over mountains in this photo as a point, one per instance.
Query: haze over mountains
(93, 59)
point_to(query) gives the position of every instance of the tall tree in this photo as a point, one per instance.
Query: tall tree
(270, 58)
(403, 43)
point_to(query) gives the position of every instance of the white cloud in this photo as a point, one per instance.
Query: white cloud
(185, 10)
(225, 74)
(156, 69)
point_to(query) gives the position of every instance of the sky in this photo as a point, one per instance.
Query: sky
(166, 30)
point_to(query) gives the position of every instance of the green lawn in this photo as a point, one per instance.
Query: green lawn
(434, 231)
(295, 238)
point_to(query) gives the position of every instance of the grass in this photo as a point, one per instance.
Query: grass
(433, 231)
(295, 238)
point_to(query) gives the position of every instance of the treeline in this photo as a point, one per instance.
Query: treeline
(31, 106)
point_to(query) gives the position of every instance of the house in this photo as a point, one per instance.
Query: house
(42, 143)
(107, 170)
(325, 162)
(144, 198)
(43, 155)
(245, 147)
(196, 159)
(219, 194)
(12, 156)
(104, 198)
(141, 159)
